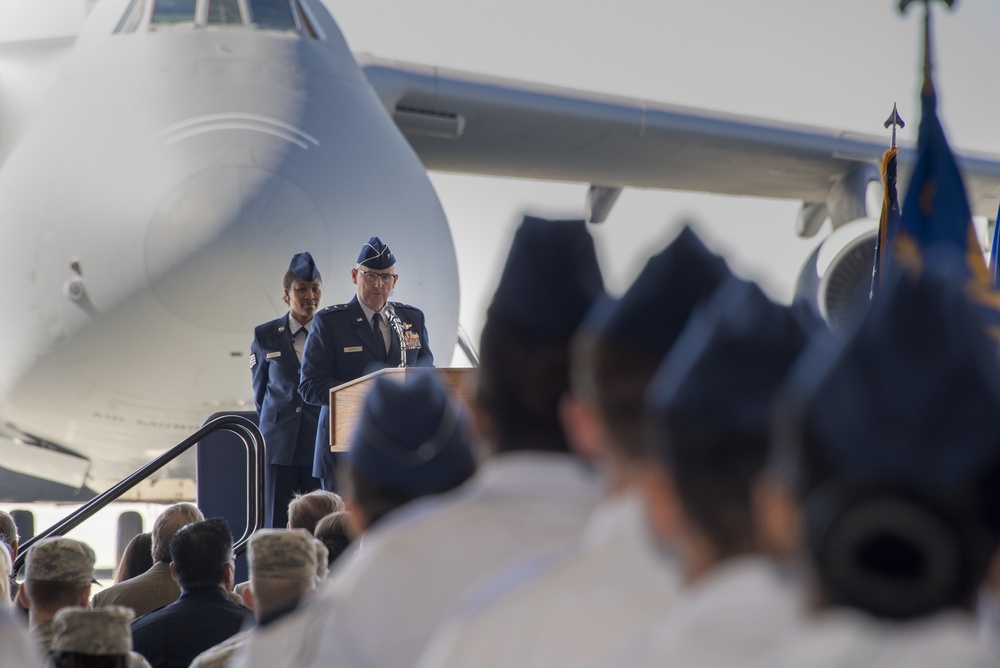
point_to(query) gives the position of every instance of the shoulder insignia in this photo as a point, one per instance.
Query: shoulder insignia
(253, 360)
(336, 307)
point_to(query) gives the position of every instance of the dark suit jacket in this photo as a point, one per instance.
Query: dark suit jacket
(286, 421)
(202, 617)
(341, 347)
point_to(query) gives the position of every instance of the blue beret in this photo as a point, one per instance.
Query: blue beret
(303, 266)
(411, 438)
(912, 396)
(653, 311)
(376, 255)
(728, 364)
(551, 277)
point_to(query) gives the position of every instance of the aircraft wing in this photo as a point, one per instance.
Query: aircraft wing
(465, 122)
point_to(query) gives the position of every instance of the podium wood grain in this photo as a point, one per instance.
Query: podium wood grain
(348, 400)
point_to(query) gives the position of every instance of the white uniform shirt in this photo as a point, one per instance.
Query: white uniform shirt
(741, 611)
(380, 608)
(567, 608)
(848, 639)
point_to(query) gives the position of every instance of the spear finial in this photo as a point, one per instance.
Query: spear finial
(895, 121)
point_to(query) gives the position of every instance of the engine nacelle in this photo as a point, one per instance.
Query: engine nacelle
(836, 279)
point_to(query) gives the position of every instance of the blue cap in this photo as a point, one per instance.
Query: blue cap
(912, 397)
(303, 266)
(376, 255)
(551, 277)
(728, 364)
(411, 438)
(655, 308)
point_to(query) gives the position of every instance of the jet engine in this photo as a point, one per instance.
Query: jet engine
(836, 278)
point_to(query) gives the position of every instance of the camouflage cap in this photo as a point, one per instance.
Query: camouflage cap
(99, 632)
(282, 553)
(60, 560)
(322, 559)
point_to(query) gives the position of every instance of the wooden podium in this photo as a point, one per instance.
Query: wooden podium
(348, 400)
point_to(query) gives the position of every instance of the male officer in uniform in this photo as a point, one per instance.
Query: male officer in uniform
(287, 423)
(349, 340)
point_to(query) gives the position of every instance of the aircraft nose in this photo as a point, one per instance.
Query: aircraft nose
(218, 234)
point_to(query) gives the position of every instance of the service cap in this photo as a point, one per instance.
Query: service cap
(410, 437)
(60, 559)
(303, 266)
(282, 553)
(376, 255)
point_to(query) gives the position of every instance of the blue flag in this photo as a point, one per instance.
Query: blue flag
(936, 216)
(995, 249)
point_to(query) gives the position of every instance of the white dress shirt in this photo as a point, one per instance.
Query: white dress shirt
(380, 608)
(564, 609)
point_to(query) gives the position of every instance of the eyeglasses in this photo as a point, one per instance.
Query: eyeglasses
(372, 278)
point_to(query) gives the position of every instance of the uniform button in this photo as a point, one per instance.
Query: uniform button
(298, 409)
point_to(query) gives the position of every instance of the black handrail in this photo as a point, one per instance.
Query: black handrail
(243, 428)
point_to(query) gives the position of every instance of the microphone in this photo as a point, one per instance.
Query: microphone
(397, 326)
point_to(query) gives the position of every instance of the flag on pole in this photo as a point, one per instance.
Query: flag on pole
(995, 250)
(888, 221)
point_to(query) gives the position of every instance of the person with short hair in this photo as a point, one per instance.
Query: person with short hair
(154, 588)
(283, 570)
(306, 510)
(349, 340)
(287, 424)
(83, 638)
(58, 574)
(333, 531)
(612, 581)
(202, 563)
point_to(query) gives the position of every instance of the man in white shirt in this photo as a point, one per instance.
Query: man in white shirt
(528, 496)
(613, 581)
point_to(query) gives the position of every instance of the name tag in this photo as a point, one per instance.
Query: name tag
(354, 349)
(274, 354)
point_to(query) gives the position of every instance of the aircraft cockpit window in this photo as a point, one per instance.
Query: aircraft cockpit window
(224, 12)
(272, 15)
(174, 11)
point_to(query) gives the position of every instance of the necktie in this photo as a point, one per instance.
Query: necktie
(379, 339)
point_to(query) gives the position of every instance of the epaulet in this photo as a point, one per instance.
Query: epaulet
(335, 307)
(402, 305)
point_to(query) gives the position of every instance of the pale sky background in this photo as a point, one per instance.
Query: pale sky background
(838, 65)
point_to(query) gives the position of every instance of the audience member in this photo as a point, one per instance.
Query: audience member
(202, 563)
(18, 650)
(10, 538)
(101, 638)
(137, 558)
(156, 587)
(333, 532)
(890, 452)
(305, 510)
(529, 496)
(6, 573)
(58, 574)
(322, 561)
(283, 568)
(712, 404)
(612, 582)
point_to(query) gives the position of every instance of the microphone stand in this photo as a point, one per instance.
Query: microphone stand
(397, 326)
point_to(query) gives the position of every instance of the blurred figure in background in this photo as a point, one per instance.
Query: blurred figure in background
(305, 510)
(137, 558)
(333, 532)
(101, 638)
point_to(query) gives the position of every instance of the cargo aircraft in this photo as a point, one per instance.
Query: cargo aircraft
(161, 160)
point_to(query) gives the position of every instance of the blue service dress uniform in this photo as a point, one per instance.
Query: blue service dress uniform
(287, 423)
(342, 347)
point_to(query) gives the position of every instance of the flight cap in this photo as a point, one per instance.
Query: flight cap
(549, 256)
(376, 255)
(410, 437)
(304, 267)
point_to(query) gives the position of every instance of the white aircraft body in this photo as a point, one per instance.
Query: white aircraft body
(160, 165)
